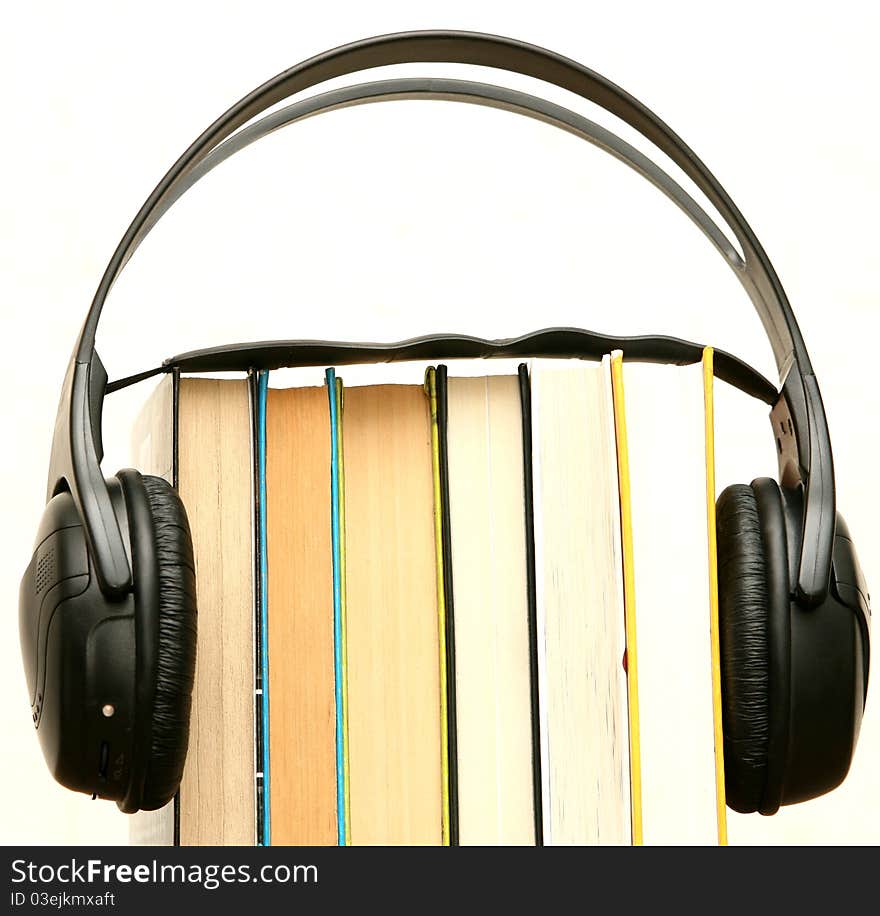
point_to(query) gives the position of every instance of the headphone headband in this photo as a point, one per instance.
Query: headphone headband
(463, 91)
(803, 438)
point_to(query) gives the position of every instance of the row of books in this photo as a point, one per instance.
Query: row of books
(475, 610)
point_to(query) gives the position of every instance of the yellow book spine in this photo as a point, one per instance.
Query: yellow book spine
(629, 596)
(431, 391)
(708, 383)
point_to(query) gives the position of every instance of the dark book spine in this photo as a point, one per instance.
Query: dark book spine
(448, 597)
(261, 737)
(526, 403)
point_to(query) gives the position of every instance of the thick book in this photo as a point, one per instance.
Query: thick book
(392, 618)
(196, 432)
(585, 759)
(667, 490)
(489, 598)
(300, 638)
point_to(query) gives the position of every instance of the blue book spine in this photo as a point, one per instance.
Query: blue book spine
(336, 535)
(265, 838)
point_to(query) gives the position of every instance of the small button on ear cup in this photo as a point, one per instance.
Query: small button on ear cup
(177, 644)
(743, 603)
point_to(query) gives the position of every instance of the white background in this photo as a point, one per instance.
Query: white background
(392, 220)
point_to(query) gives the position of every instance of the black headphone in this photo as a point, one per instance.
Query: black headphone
(107, 606)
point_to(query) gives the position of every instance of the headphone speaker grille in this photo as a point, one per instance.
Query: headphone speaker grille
(46, 572)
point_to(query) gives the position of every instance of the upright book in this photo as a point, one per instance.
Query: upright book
(667, 488)
(582, 681)
(489, 597)
(201, 428)
(302, 704)
(393, 641)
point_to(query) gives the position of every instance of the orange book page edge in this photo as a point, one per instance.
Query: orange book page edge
(629, 597)
(721, 802)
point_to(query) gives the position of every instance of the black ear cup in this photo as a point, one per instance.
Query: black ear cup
(111, 678)
(794, 675)
(165, 638)
(176, 657)
(743, 630)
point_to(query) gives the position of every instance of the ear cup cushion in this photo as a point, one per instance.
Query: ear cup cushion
(742, 609)
(177, 644)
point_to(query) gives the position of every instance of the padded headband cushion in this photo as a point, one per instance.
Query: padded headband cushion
(177, 644)
(743, 603)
